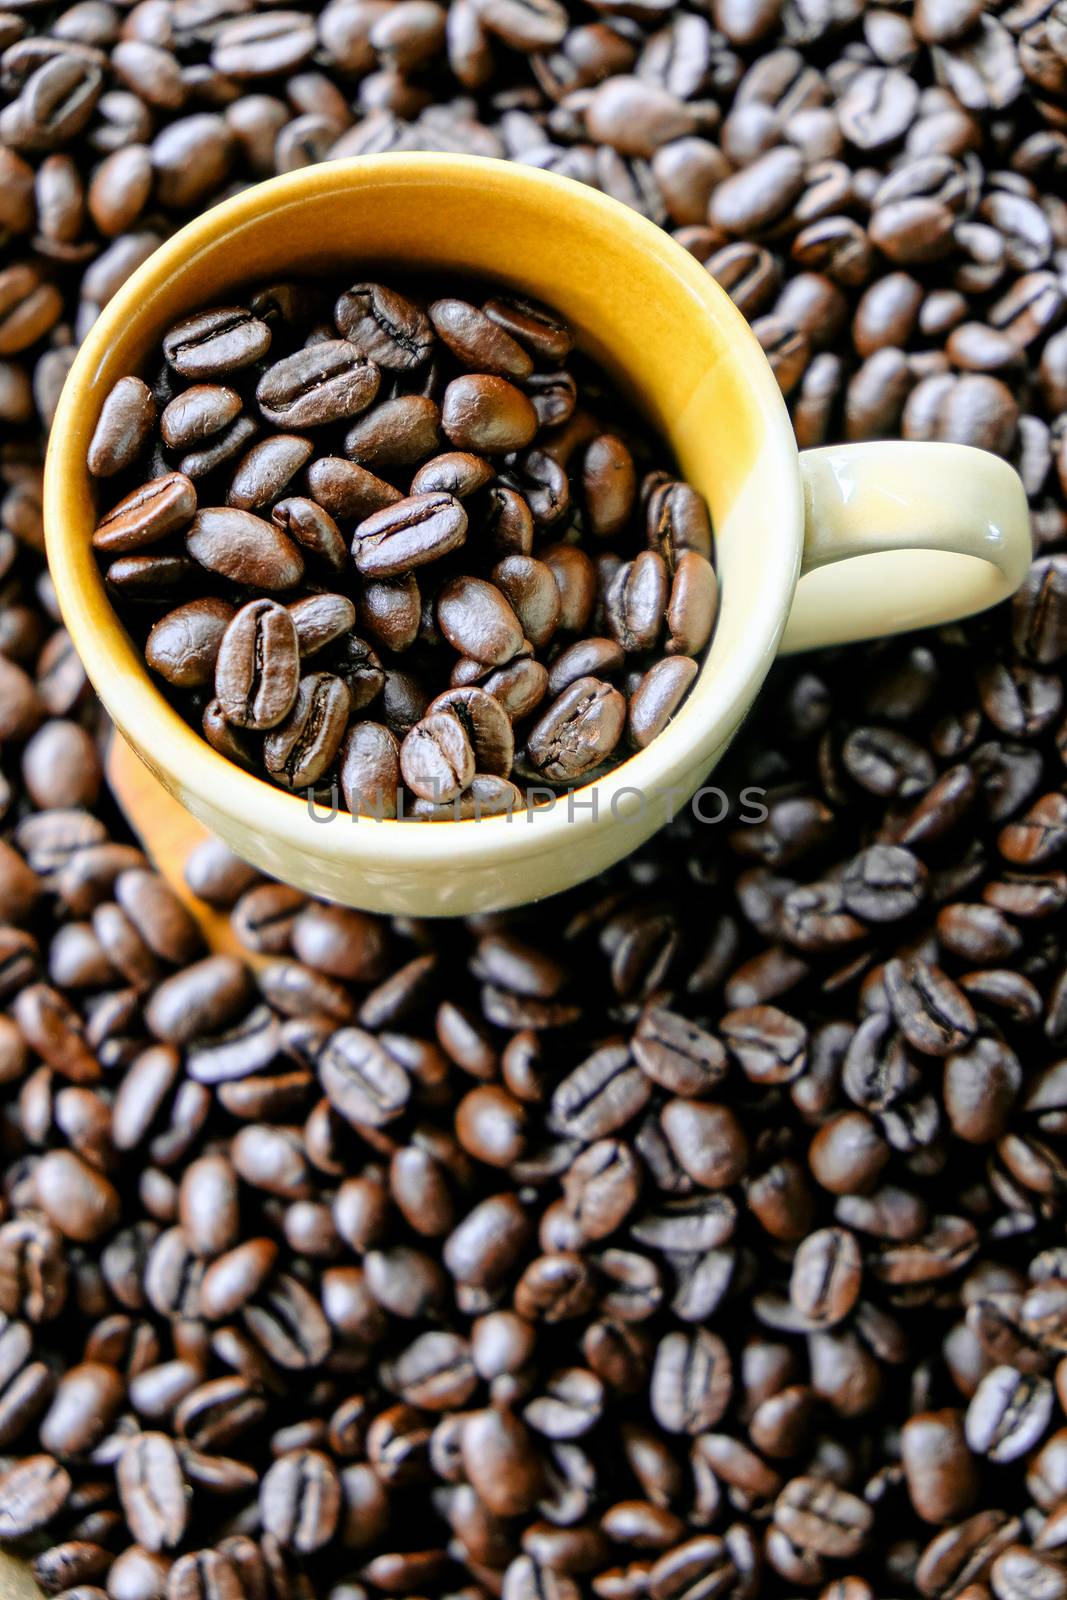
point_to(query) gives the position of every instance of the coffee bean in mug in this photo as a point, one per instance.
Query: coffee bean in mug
(414, 542)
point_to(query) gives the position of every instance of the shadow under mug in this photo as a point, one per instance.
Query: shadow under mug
(881, 537)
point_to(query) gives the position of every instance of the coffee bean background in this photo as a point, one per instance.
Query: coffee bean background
(701, 1233)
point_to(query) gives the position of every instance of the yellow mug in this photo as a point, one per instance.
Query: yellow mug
(881, 537)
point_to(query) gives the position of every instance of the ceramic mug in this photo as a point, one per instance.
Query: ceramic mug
(881, 537)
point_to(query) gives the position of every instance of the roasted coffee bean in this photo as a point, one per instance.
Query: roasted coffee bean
(676, 1053)
(80, 1201)
(198, 415)
(35, 1489)
(601, 1188)
(589, 658)
(658, 696)
(348, 491)
(488, 415)
(692, 606)
(396, 433)
(126, 421)
(477, 341)
(677, 520)
(884, 883)
(1008, 1414)
(542, 482)
(385, 327)
(456, 472)
(942, 1479)
(257, 671)
(486, 796)
(300, 1500)
(931, 1012)
(478, 622)
(152, 1490)
(530, 587)
(486, 725)
(183, 646)
(312, 528)
(199, 1000)
(244, 548)
(370, 770)
(636, 601)
(153, 577)
(82, 1409)
(609, 485)
(362, 1080)
(600, 1095)
(391, 611)
(576, 581)
(323, 383)
(408, 534)
(235, 1277)
(29, 305)
(287, 1323)
(322, 620)
(691, 1382)
(707, 1142)
(436, 757)
(299, 750)
(826, 1277)
(822, 1518)
(578, 732)
(147, 515)
(262, 476)
(213, 343)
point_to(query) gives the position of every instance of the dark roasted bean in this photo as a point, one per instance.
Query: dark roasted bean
(147, 515)
(384, 326)
(152, 1489)
(320, 384)
(691, 1381)
(300, 1500)
(827, 1270)
(477, 341)
(213, 343)
(301, 749)
(396, 433)
(347, 491)
(658, 696)
(362, 1079)
(409, 534)
(436, 758)
(370, 770)
(822, 1518)
(122, 432)
(35, 1489)
(183, 646)
(257, 671)
(312, 528)
(244, 548)
(262, 476)
(1008, 1414)
(478, 621)
(580, 730)
(487, 415)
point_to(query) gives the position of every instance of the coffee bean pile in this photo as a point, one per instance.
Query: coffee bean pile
(699, 1233)
(381, 538)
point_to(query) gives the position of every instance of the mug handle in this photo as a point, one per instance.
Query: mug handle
(943, 531)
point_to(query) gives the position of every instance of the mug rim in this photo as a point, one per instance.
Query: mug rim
(182, 758)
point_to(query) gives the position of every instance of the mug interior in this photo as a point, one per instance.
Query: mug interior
(640, 305)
